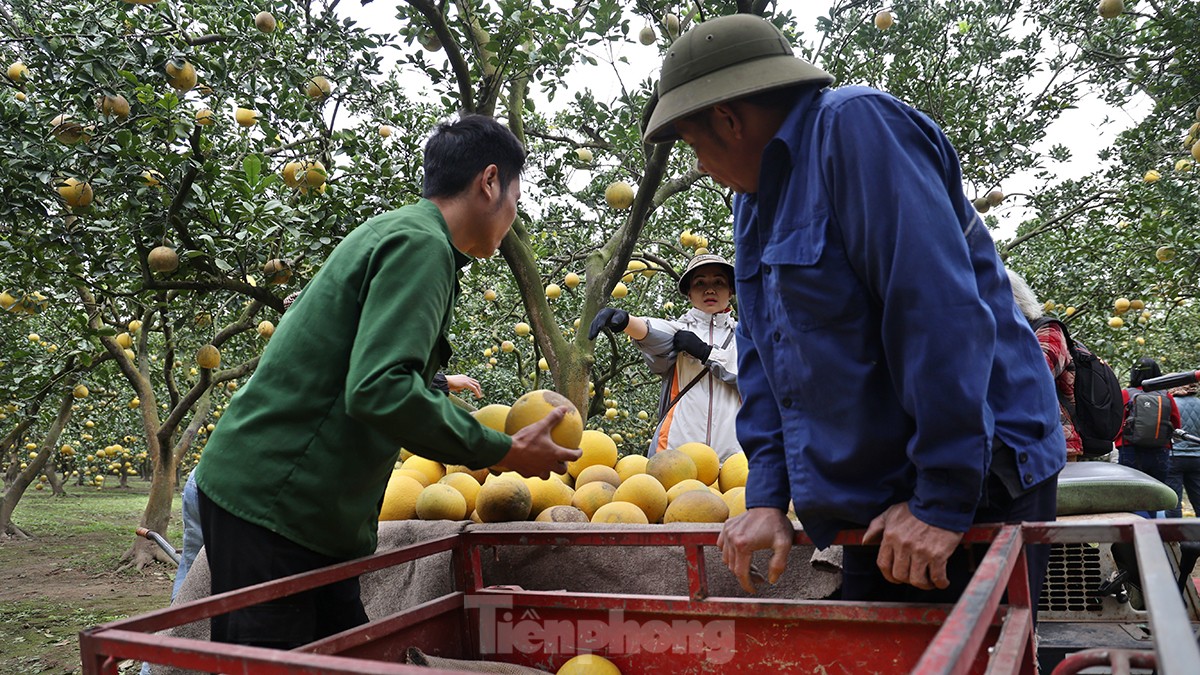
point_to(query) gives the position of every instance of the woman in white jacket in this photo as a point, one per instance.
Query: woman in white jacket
(696, 355)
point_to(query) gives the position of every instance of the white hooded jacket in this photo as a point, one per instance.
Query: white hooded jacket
(707, 412)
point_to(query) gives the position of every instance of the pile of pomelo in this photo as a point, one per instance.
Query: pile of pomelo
(688, 484)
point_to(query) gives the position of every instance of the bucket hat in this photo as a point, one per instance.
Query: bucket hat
(685, 279)
(723, 59)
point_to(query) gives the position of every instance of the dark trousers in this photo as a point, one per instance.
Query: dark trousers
(1184, 474)
(862, 580)
(242, 554)
(1154, 462)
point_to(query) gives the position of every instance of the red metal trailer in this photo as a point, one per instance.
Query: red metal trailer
(695, 633)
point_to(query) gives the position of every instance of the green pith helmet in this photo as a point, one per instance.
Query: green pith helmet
(727, 58)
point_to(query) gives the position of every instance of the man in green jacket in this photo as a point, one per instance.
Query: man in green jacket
(293, 477)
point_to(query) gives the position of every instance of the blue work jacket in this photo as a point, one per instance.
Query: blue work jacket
(880, 350)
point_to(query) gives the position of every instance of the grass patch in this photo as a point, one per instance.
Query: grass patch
(65, 580)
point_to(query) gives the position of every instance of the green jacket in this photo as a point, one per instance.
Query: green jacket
(306, 447)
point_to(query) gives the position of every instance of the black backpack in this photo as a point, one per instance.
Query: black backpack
(1147, 420)
(1098, 411)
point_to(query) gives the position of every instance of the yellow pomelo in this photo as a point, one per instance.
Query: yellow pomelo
(592, 496)
(181, 78)
(124, 340)
(432, 470)
(630, 465)
(697, 506)
(735, 500)
(163, 259)
(441, 502)
(619, 195)
(598, 472)
(562, 514)
(708, 465)
(208, 357)
(619, 512)
(588, 664)
(733, 472)
(492, 416)
(671, 467)
(548, 492)
(466, 485)
(75, 193)
(598, 450)
(400, 498)
(503, 500)
(682, 487)
(418, 476)
(645, 492)
(535, 405)
(479, 475)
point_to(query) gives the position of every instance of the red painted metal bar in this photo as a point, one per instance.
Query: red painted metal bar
(1169, 623)
(1119, 660)
(1013, 652)
(1086, 532)
(760, 608)
(252, 595)
(955, 646)
(354, 637)
(214, 657)
(696, 573)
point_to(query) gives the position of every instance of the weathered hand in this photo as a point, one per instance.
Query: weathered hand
(534, 453)
(687, 341)
(754, 530)
(457, 383)
(613, 319)
(911, 551)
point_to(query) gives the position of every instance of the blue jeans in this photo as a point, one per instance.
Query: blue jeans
(192, 539)
(1184, 473)
(1154, 462)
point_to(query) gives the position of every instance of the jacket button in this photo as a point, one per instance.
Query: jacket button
(778, 336)
(1023, 457)
(787, 402)
(1029, 479)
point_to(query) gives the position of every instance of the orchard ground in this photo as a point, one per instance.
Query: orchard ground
(66, 577)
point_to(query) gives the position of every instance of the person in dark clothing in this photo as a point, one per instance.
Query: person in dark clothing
(1184, 471)
(1153, 461)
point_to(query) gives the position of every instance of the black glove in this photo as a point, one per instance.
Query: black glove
(687, 341)
(613, 319)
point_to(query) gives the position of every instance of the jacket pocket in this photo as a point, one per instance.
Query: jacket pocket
(807, 276)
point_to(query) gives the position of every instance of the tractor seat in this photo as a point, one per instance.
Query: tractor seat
(1101, 487)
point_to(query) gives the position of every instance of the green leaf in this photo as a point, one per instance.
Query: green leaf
(252, 165)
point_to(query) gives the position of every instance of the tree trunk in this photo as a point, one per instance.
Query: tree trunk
(157, 516)
(56, 484)
(13, 491)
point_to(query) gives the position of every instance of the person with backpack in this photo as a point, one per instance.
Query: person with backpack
(695, 355)
(1089, 394)
(1151, 418)
(1052, 336)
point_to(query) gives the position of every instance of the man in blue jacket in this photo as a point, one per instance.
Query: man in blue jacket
(888, 379)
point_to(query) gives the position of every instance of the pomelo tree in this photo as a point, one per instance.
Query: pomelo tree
(186, 219)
